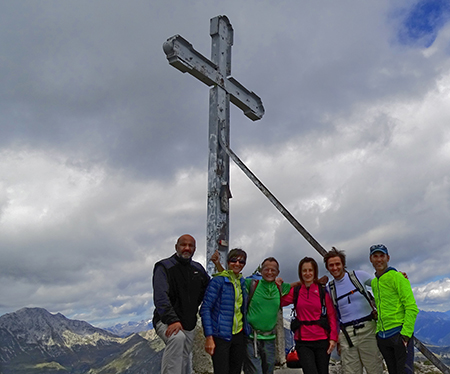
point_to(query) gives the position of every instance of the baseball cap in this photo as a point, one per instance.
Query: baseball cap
(378, 248)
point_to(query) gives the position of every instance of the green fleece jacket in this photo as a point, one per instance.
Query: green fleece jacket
(395, 302)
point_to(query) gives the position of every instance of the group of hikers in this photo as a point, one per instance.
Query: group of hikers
(239, 315)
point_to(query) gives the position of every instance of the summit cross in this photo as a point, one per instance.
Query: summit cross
(216, 72)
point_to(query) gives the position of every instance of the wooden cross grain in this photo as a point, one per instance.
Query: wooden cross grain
(216, 73)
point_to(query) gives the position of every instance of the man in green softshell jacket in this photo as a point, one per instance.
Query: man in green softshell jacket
(262, 316)
(397, 312)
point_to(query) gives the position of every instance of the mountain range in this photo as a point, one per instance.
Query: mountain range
(125, 329)
(34, 341)
(433, 328)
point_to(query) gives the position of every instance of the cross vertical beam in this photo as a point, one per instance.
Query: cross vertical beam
(216, 72)
(218, 217)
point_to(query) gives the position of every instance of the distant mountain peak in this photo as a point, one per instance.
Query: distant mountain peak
(127, 328)
(34, 337)
(46, 331)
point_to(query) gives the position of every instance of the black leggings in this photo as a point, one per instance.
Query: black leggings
(313, 356)
(229, 356)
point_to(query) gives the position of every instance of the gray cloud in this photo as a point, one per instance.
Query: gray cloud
(104, 145)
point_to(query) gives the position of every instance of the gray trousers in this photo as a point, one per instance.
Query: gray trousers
(364, 353)
(177, 354)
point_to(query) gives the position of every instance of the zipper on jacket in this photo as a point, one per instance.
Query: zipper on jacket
(379, 304)
(237, 292)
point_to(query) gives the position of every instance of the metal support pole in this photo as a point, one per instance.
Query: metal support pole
(316, 245)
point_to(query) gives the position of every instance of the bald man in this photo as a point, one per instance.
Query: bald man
(179, 284)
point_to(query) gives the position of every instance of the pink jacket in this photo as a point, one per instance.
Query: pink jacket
(309, 308)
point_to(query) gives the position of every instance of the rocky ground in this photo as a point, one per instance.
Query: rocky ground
(335, 368)
(202, 361)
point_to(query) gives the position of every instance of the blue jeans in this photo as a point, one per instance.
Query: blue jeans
(264, 363)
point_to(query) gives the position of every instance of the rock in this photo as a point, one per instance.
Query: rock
(201, 361)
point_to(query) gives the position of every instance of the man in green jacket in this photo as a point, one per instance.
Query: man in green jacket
(397, 312)
(262, 315)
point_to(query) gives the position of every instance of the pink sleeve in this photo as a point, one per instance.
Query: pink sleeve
(288, 299)
(332, 318)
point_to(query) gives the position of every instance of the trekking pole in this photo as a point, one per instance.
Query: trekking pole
(316, 245)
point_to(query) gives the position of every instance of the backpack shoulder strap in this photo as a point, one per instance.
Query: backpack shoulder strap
(332, 287)
(333, 297)
(322, 299)
(356, 282)
(323, 321)
(360, 287)
(295, 301)
(281, 295)
(252, 290)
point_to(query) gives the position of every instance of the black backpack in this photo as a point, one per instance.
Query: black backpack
(322, 321)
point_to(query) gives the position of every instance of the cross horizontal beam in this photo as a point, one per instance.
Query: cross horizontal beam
(182, 55)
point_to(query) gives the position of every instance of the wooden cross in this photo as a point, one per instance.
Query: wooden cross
(216, 72)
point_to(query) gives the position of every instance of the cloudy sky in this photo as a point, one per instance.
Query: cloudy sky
(104, 153)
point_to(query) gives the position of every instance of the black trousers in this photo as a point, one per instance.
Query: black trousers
(229, 356)
(313, 356)
(399, 359)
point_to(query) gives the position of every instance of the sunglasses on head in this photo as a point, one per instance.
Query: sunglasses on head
(235, 260)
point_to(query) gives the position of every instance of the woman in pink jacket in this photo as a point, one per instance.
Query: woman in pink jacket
(317, 331)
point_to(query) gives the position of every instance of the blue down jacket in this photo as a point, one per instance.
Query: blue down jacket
(217, 310)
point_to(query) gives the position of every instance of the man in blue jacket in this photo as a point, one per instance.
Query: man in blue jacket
(179, 284)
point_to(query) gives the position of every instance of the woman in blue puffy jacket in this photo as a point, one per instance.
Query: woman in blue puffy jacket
(223, 313)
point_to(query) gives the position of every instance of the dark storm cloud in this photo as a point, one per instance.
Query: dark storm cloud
(104, 144)
(91, 78)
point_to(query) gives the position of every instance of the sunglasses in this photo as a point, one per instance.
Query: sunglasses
(236, 260)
